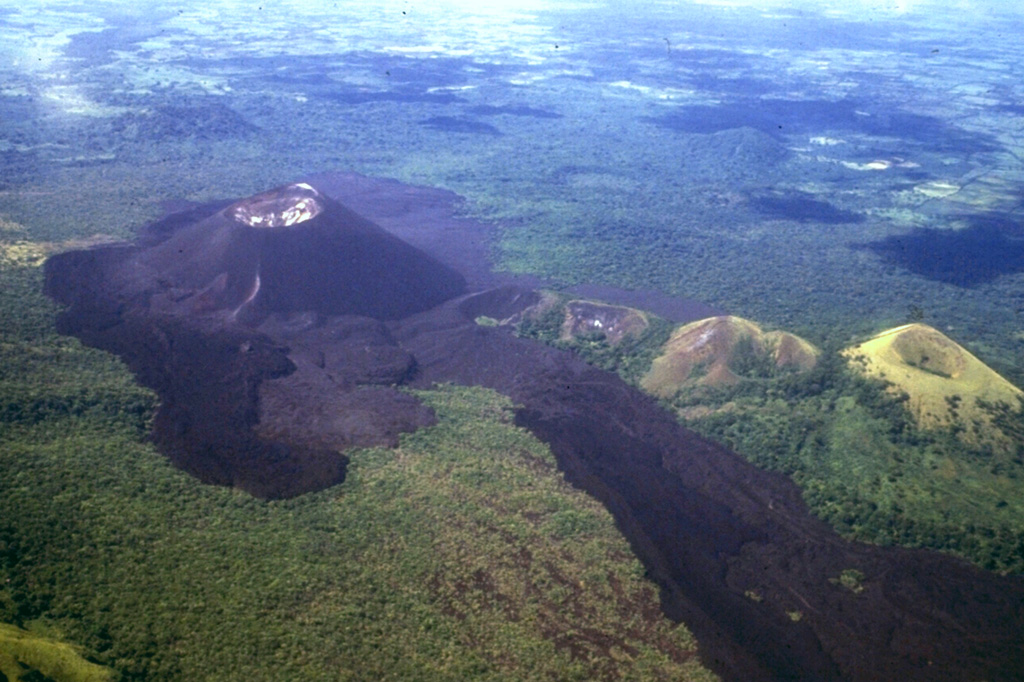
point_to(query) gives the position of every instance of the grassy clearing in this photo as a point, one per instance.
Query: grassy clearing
(24, 654)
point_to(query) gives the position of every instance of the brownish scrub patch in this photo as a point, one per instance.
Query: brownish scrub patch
(711, 352)
(613, 322)
(789, 350)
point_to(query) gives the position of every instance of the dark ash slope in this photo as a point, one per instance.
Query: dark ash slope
(226, 311)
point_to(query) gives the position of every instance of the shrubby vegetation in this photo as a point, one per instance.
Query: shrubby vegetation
(868, 469)
(854, 449)
(460, 555)
(631, 357)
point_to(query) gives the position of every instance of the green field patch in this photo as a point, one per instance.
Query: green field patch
(27, 656)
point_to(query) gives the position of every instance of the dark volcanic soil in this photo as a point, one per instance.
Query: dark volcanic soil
(264, 381)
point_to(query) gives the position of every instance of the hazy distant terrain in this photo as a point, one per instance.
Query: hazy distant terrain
(833, 170)
(824, 170)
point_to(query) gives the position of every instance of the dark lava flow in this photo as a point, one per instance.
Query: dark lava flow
(275, 330)
(261, 326)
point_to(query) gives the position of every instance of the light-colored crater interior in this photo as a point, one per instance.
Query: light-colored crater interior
(931, 352)
(282, 207)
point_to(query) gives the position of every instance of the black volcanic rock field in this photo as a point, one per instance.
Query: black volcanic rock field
(278, 329)
(260, 325)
